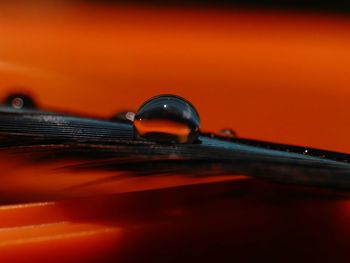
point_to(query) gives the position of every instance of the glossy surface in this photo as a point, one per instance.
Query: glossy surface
(167, 119)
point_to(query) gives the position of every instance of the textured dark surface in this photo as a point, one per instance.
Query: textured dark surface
(105, 145)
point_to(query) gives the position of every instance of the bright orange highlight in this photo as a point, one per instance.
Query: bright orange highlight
(179, 130)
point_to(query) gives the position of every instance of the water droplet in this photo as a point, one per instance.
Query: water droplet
(20, 101)
(124, 116)
(167, 119)
(228, 133)
(306, 152)
(212, 135)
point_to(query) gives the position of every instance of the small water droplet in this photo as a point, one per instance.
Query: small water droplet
(124, 116)
(306, 152)
(228, 133)
(212, 135)
(20, 101)
(167, 119)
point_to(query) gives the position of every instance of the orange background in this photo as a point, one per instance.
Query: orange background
(277, 76)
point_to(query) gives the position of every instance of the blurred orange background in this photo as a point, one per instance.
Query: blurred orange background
(279, 76)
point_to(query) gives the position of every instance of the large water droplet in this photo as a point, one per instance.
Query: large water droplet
(20, 101)
(167, 119)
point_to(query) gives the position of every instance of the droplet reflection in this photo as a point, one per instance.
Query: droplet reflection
(124, 116)
(167, 119)
(20, 101)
